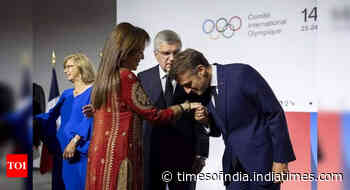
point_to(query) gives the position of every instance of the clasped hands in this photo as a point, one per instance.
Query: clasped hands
(200, 111)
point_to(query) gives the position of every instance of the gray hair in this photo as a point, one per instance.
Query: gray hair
(166, 36)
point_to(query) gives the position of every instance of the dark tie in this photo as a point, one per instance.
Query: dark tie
(168, 92)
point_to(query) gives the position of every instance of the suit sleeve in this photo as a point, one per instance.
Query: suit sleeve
(84, 130)
(136, 98)
(202, 138)
(262, 95)
(202, 142)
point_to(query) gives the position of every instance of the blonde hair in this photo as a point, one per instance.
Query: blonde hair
(84, 65)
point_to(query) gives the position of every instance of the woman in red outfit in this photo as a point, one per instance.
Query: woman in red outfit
(115, 159)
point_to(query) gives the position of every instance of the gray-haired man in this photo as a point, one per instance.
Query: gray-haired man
(182, 147)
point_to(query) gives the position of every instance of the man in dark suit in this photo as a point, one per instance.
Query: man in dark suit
(181, 147)
(246, 113)
(38, 107)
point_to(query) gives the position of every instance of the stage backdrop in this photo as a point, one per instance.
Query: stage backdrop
(278, 38)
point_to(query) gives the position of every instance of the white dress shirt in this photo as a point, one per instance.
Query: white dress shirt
(163, 75)
(214, 82)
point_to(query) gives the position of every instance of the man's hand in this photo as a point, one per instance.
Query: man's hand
(279, 169)
(201, 115)
(88, 110)
(69, 151)
(198, 164)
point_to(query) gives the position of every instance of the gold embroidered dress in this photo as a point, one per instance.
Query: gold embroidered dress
(115, 159)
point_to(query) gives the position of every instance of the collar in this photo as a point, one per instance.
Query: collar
(162, 73)
(214, 76)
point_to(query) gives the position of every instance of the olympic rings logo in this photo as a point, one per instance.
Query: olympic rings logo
(222, 26)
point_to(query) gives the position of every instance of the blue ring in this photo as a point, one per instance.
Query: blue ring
(205, 22)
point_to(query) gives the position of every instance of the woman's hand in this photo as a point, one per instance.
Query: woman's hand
(88, 110)
(187, 106)
(195, 105)
(70, 149)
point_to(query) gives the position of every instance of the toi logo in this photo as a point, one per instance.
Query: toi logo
(17, 165)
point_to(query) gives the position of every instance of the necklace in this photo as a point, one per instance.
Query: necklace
(76, 92)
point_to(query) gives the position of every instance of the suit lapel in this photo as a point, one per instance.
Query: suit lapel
(179, 95)
(217, 119)
(156, 94)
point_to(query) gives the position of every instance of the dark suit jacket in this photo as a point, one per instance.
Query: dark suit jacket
(251, 120)
(38, 107)
(171, 146)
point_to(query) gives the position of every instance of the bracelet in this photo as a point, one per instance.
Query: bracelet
(75, 140)
(189, 106)
(201, 157)
(182, 108)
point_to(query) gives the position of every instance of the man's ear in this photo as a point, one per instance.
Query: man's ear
(201, 70)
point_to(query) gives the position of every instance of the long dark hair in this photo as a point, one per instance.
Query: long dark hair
(123, 40)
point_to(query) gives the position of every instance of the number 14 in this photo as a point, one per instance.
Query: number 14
(311, 15)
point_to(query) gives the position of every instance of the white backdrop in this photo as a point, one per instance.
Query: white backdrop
(333, 55)
(274, 37)
(285, 55)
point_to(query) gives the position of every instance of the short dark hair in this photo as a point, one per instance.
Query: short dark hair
(187, 60)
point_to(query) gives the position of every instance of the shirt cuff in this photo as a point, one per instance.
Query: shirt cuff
(206, 129)
(201, 157)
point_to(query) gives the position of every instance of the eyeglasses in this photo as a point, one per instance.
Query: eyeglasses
(67, 66)
(168, 53)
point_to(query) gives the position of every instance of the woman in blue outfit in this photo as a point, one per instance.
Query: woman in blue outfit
(71, 141)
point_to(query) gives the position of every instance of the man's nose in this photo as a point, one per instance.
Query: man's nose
(187, 90)
(171, 57)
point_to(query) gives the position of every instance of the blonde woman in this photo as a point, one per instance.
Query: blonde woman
(70, 143)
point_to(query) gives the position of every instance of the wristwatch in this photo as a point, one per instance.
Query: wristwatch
(188, 108)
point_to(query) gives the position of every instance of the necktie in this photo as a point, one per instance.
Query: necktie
(168, 92)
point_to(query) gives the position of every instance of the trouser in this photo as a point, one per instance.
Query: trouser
(248, 184)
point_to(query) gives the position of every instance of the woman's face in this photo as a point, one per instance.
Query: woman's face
(71, 71)
(133, 59)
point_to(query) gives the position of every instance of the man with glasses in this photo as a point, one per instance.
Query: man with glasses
(182, 147)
